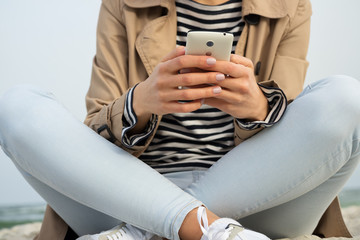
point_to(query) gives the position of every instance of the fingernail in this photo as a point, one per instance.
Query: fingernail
(220, 77)
(217, 90)
(211, 61)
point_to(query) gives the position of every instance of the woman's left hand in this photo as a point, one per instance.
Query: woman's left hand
(241, 96)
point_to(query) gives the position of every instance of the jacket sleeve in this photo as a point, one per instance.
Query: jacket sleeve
(109, 85)
(290, 64)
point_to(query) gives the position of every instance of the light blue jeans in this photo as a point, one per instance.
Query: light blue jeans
(278, 182)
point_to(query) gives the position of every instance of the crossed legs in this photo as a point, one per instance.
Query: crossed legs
(278, 182)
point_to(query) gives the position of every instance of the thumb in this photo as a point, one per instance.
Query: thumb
(178, 51)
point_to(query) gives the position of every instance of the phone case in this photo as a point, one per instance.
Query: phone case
(215, 44)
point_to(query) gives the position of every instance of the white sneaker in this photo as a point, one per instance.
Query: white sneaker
(225, 229)
(121, 232)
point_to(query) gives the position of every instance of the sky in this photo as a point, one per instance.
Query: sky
(51, 44)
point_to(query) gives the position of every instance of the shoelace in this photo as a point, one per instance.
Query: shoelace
(118, 235)
(121, 234)
(232, 231)
(204, 226)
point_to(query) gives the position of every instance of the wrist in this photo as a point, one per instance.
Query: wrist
(138, 102)
(263, 110)
(142, 117)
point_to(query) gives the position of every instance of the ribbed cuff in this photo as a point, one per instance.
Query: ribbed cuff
(130, 120)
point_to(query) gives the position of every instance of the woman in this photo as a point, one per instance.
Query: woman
(279, 182)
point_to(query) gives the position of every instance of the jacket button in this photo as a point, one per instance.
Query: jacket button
(257, 68)
(252, 19)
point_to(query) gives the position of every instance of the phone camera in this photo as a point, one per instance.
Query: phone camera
(209, 43)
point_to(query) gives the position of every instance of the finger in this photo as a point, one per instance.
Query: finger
(237, 111)
(190, 70)
(237, 59)
(178, 51)
(231, 97)
(197, 78)
(237, 85)
(183, 107)
(189, 61)
(232, 69)
(200, 86)
(236, 91)
(192, 93)
(214, 102)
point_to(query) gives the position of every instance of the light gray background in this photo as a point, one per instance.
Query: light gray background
(51, 44)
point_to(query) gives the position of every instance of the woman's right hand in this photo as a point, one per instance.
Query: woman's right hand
(159, 93)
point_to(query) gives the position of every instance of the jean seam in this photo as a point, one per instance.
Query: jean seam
(90, 205)
(177, 215)
(358, 140)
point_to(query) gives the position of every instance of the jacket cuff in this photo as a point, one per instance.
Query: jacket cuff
(277, 103)
(130, 120)
(103, 121)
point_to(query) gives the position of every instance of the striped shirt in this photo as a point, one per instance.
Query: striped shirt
(196, 140)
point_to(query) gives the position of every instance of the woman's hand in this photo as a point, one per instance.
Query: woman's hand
(160, 93)
(202, 80)
(241, 96)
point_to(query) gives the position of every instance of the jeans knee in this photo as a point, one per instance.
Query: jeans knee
(347, 98)
(18, 102)
(330, 110)
(338, 98)
(343, 92)
(21, 96)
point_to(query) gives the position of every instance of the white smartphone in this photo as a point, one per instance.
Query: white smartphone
(215, 44)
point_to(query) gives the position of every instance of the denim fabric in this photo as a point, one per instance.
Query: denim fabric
(278, 182)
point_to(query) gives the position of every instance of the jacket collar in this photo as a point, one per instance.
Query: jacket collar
(149, 3)
(266, 8)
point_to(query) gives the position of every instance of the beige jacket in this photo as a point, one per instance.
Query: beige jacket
(134, 35)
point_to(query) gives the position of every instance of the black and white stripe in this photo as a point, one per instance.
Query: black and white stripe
(196, 140)
(188, 141)
(193, 16)
(129, 122)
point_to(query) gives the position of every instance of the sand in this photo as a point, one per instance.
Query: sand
(20, 232)
(352, 219)
(28, 231)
